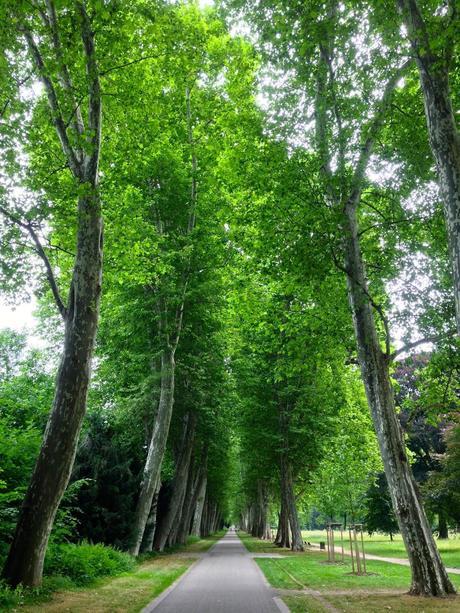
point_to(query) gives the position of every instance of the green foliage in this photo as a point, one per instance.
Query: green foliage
(25, 399)
(379, 514)
(83, 563)
(351, 459)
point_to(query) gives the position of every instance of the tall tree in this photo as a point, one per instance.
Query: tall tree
(79, 134)
(345, 134)
(433, 40)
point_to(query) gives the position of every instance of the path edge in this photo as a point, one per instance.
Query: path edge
(152, 605)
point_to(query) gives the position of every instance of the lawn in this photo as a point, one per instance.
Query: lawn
(381, 545)
(309, 570)
(382, 589)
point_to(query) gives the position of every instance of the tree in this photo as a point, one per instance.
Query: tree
(379, 514)
(345, 135)
(433, 44)
(80, 141)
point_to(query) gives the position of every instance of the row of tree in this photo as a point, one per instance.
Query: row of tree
(255, 264)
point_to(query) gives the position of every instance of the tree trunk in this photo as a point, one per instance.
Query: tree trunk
(291, 507)
(284, 540)
(204, 517)
(191, 500)
(287, 485)
(443, 530)
(196, 527)
(57, 454)
(429, 576)
(442, 129)
(185, 520)
(150, 527)
(152, 469)
(278, 530)
(180, 484)
(53, 467)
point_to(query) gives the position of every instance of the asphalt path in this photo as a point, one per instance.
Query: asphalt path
(225, 580)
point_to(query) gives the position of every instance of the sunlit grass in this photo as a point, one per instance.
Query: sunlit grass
(381, 545)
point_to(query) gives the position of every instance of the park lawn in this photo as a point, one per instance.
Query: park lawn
(309, 570)
(381, 545)
(255, 545)
(382, 589)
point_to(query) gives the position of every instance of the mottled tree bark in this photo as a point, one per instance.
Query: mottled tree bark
(196, 526)
(433, 66)
(150, 526)
(52, 470)
(429, 576)
(194, 488)
(180, 483)
(152, 468)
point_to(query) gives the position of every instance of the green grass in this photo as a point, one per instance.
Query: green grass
(303, 604)
(258, 546)
(371, 593)
(128, 593)
(381, 545)
(309, 570)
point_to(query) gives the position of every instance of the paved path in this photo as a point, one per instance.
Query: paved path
(370, 556)
(225, 580)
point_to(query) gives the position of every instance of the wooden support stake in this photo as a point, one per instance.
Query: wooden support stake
(358, 560)
(351, 552)
(341, 540)
(362, 549)
(332, 544)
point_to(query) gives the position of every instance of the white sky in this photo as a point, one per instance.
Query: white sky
(21, 318)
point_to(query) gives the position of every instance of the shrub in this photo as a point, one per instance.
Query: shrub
(10, 598)
(83, 563)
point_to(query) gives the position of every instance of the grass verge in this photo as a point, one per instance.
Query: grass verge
(372, 603)
(128, 593)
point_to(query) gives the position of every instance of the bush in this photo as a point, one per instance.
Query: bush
(9, 597)
(84, 563)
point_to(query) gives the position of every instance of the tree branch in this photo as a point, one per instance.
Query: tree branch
(428, 339)
(377, 307)
(388, 223)
(103, 73)
(63, 71)
(95, 99)
(27, 225)
(49, 271)
(53, 102)
(372, 132)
